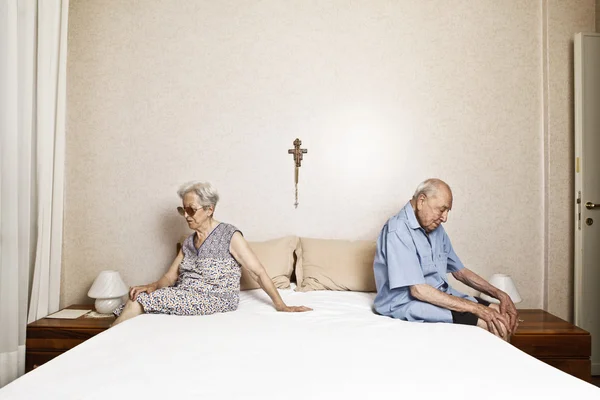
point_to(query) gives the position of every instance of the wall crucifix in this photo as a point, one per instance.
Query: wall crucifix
(297, 152)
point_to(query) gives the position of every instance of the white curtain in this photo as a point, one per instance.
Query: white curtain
(32, 130)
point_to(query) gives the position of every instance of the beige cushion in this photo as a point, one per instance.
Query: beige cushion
(335, 265)
(277, 256)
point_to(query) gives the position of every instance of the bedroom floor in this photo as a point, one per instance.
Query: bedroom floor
(596, 380)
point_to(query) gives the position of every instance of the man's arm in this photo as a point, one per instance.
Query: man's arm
(429, 294)
(476, 282)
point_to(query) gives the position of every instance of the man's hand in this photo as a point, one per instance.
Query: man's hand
(497, 323)
(508, 309)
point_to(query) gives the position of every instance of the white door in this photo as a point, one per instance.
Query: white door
(587, 189)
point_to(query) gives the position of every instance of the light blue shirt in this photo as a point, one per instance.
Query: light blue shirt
(407, 256)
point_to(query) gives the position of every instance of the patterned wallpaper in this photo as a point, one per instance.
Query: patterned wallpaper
(383, 95)
(597, 15)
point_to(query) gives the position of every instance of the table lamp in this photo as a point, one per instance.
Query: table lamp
(505, 283)
(107, 289)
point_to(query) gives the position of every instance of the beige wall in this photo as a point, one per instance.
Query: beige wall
(383, 95)
(597, 15)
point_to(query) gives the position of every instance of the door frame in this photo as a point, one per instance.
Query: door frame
(579, 93)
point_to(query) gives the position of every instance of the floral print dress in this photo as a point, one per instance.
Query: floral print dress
(208, 282)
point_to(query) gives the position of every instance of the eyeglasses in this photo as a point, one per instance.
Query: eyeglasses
(186, 210)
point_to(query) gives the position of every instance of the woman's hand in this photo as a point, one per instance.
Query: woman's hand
(285, 308)
(243, 254)
(134, 291)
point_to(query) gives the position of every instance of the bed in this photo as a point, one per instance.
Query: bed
(341, 350)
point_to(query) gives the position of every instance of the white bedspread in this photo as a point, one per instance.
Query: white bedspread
(342, 350)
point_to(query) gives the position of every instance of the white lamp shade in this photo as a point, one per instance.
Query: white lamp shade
(108, 285)
(505, 283)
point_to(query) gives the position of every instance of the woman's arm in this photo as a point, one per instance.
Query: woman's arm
(168, 279)
(242, 252)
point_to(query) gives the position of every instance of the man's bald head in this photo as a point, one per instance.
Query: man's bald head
(432, 187)
(431, 202)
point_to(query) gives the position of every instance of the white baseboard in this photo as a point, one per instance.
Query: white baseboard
(595, 369)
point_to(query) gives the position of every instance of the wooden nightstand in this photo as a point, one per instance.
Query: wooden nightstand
(555, 342)
(49, 337)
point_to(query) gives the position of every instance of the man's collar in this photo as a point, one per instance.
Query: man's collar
(412, 218)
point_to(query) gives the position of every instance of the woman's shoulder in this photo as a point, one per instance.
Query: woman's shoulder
(229, 228)
(187, 245)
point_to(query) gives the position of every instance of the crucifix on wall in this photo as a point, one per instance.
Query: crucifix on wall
(297, 152)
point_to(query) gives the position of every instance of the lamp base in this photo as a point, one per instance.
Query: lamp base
(107, 306)
(485, 297)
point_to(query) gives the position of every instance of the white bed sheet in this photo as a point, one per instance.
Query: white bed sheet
(340, 350)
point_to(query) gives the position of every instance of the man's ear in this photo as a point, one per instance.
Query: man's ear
(420, 201)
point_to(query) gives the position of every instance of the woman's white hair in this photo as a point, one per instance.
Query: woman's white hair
(207, 194)
(430, 188)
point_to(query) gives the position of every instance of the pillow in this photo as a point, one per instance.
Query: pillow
(335, 265)
(277, 256)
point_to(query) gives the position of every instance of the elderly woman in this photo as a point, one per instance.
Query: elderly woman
(205, 276)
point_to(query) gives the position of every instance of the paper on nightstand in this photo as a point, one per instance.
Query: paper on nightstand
(68, 314)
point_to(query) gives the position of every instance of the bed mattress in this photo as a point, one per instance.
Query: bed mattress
(341, 350)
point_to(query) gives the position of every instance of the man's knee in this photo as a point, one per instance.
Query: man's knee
(482, 324)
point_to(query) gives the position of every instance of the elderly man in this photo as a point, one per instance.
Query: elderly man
(414, 256)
